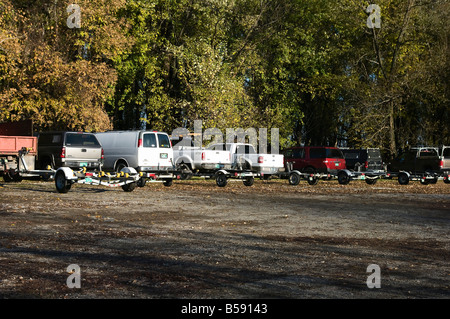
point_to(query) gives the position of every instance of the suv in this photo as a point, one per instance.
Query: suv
(69, 149)
(315, 159)
(363, 160)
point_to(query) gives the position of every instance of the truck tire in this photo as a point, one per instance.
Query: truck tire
(294, 179)
(167, 182)
(61, 183)
(7, 177)
(221, 180)
(403, 179)
(371, 181)
(249, 181)
(312, 180)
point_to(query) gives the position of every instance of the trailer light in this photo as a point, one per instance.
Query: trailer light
(236, 174)
(261, 159)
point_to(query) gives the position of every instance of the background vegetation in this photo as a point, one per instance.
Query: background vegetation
(311, 68)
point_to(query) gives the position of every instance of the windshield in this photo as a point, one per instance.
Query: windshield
(74, 139)
(163, 141)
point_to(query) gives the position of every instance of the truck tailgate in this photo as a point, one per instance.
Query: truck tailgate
(272, 160)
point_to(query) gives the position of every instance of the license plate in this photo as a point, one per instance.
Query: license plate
(337, 164)
(83, 164)
(163, 155)
(88, 180)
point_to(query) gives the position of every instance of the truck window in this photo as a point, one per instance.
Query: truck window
(446, 152)
(334, 153)
(163, 141)
(428, 152)
(245, 149)
(50, 139)
(316, 153)
(81, 140)
(149, 140)
(299, 153)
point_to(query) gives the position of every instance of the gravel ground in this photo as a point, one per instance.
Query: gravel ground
(196, 240)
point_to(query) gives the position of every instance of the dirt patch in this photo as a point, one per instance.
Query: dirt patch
(196, 240)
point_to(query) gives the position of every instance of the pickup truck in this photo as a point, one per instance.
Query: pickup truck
(189, 158)
(444, 164)
(244, 157)
(417, 160)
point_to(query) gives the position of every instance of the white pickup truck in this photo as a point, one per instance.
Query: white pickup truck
(189, 158)
(244, 157)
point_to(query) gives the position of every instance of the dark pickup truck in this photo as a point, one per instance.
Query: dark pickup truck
(417, 160)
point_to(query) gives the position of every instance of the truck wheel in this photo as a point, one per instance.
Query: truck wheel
(343, 178)
(7, 177)
(294, 179)
(129, 187)
(249, 181)
(403, 179)
(167, 182)
(61, 183)
(141, 182)
(221, 180)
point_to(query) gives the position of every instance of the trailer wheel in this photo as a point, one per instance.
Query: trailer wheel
(62, 184)
(403, 179)
(343, 178)
(129, 187)
(447, 180)
(221, 180)
(186, 172)
(249, 181)
(294, 179)
(371, 181)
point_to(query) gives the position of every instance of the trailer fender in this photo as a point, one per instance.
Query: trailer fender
(68, 173)
(129, 170)
(346, 171)
(221, 171)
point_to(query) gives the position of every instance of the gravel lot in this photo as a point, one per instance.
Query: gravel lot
(196, 240)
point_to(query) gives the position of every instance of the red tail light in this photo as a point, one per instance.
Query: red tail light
(203, 156)
(441, 164)
(103, 154)
(140, 142)
(366, 164)
(63, 152)
(261, 159)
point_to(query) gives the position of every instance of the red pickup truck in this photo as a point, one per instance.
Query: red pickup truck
(315, 159)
